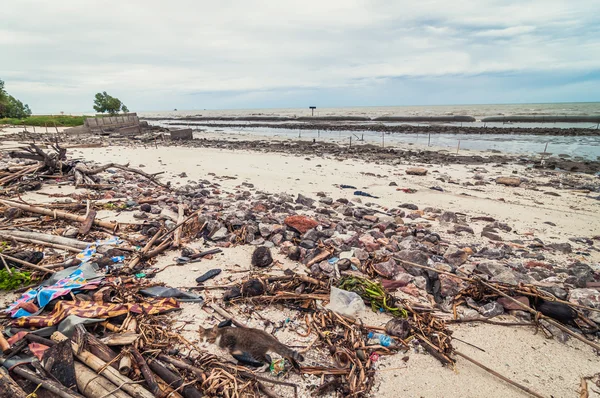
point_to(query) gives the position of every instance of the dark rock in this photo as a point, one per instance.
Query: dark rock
(409, 206)
(448, 216)
(261, 257)
(455, 256)
(450, 286)
(580, 274)
(463, 228)
(344, 264)
(146, 208)
(12, 212)
(491, 310)
(253, 288)
(387, 269)
(500, 225)
(303, 200)
(396, 327)
(393, 184)
(308, 244)
(413, 256)
(564, 248)
(490, 235)
(294, 253)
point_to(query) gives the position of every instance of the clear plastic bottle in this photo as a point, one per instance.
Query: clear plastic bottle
(384, 339)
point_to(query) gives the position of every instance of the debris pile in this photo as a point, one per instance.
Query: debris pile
(90, 321)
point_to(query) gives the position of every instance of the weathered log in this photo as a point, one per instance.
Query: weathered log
(147, 373)
(96, 347)
(50, 385)
(57, 213)
(8, 387)
(99, 366)
(126, 338)
(26, 264)
(127, 168)
(42, 238)
(94, 386)
(87, 224)
(173, 379)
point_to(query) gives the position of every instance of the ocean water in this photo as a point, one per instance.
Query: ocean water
(587, 147)
(477, 111)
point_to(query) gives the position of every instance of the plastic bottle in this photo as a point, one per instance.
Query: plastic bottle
(384, 339)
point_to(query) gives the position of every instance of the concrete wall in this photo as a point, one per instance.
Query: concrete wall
(111, 123)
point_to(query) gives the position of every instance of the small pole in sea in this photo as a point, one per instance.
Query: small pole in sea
(598, 125)
(458, 147)
(382, 140)
(319, 133)
(299, 133)
(312, 108)
(350, 141)
(429, 142)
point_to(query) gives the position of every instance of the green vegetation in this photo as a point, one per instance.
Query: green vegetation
(106, 103)
(10, 107)
(11, 281)
(46, 120)
(374, 293)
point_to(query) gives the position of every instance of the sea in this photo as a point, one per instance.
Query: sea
(576, 147)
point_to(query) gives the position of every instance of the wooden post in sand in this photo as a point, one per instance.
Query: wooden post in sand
(458, 147)
(350, 141)
(46, 125)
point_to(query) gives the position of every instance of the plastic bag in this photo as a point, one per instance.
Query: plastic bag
(345, 303)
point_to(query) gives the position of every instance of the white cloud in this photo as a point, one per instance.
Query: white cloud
(141, 50)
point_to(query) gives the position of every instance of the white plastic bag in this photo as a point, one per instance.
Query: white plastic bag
(345, 303)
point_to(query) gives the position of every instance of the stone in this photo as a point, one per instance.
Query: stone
(344, 264)
(361, 254)
(490, 235)
(463, 228)
(413, 256)
(387, 269)
(372, 219)
(294, 253)
(416, 171)
(300, 223)
(70, 233)
(393, 184)
(455, 256)
(564, 248)
(221, 234)
(146, 208)
(277, 239)
(579, 274)
(448, 216)
(261, 257)
(509, 305)
(303, 200)
(450, 286)
(368, 242)
(409, 206)
(326, 267)
(509, 181)
(491, 310)
(398, 328)
(587, 297)
(327, 201)
(265, 229)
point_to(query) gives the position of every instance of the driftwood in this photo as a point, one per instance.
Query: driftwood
(96, 347)
(50, 385)
(57, 214)
(173, 379)
(94, 386)
(177, 233)
(8, 387)
(125, 364)
(52, 161)
(151, 177)
(101, 367)
(147, 373)
(506, 379)
(26, 264)
(60, 242)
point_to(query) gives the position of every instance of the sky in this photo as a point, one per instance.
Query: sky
(240, 54)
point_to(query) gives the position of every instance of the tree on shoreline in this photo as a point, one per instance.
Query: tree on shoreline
(11, 107)
(109, 104)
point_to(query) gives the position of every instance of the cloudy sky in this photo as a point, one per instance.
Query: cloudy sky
(197, 54)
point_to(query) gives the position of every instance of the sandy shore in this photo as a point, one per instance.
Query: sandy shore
(544, 365)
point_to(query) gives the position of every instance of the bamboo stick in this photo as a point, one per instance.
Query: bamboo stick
(26, 264)
(147, 373)
(10, 389)
(99, 366)
(50, 385)
(94, 386)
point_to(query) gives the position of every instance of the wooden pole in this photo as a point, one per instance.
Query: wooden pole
(8, 387)
(173, 379)
(146, 372)
(26, 264)
(99, 366)
(458, 147)
(94, 386)
(177, 233)
(57, 214)
(50, 385)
